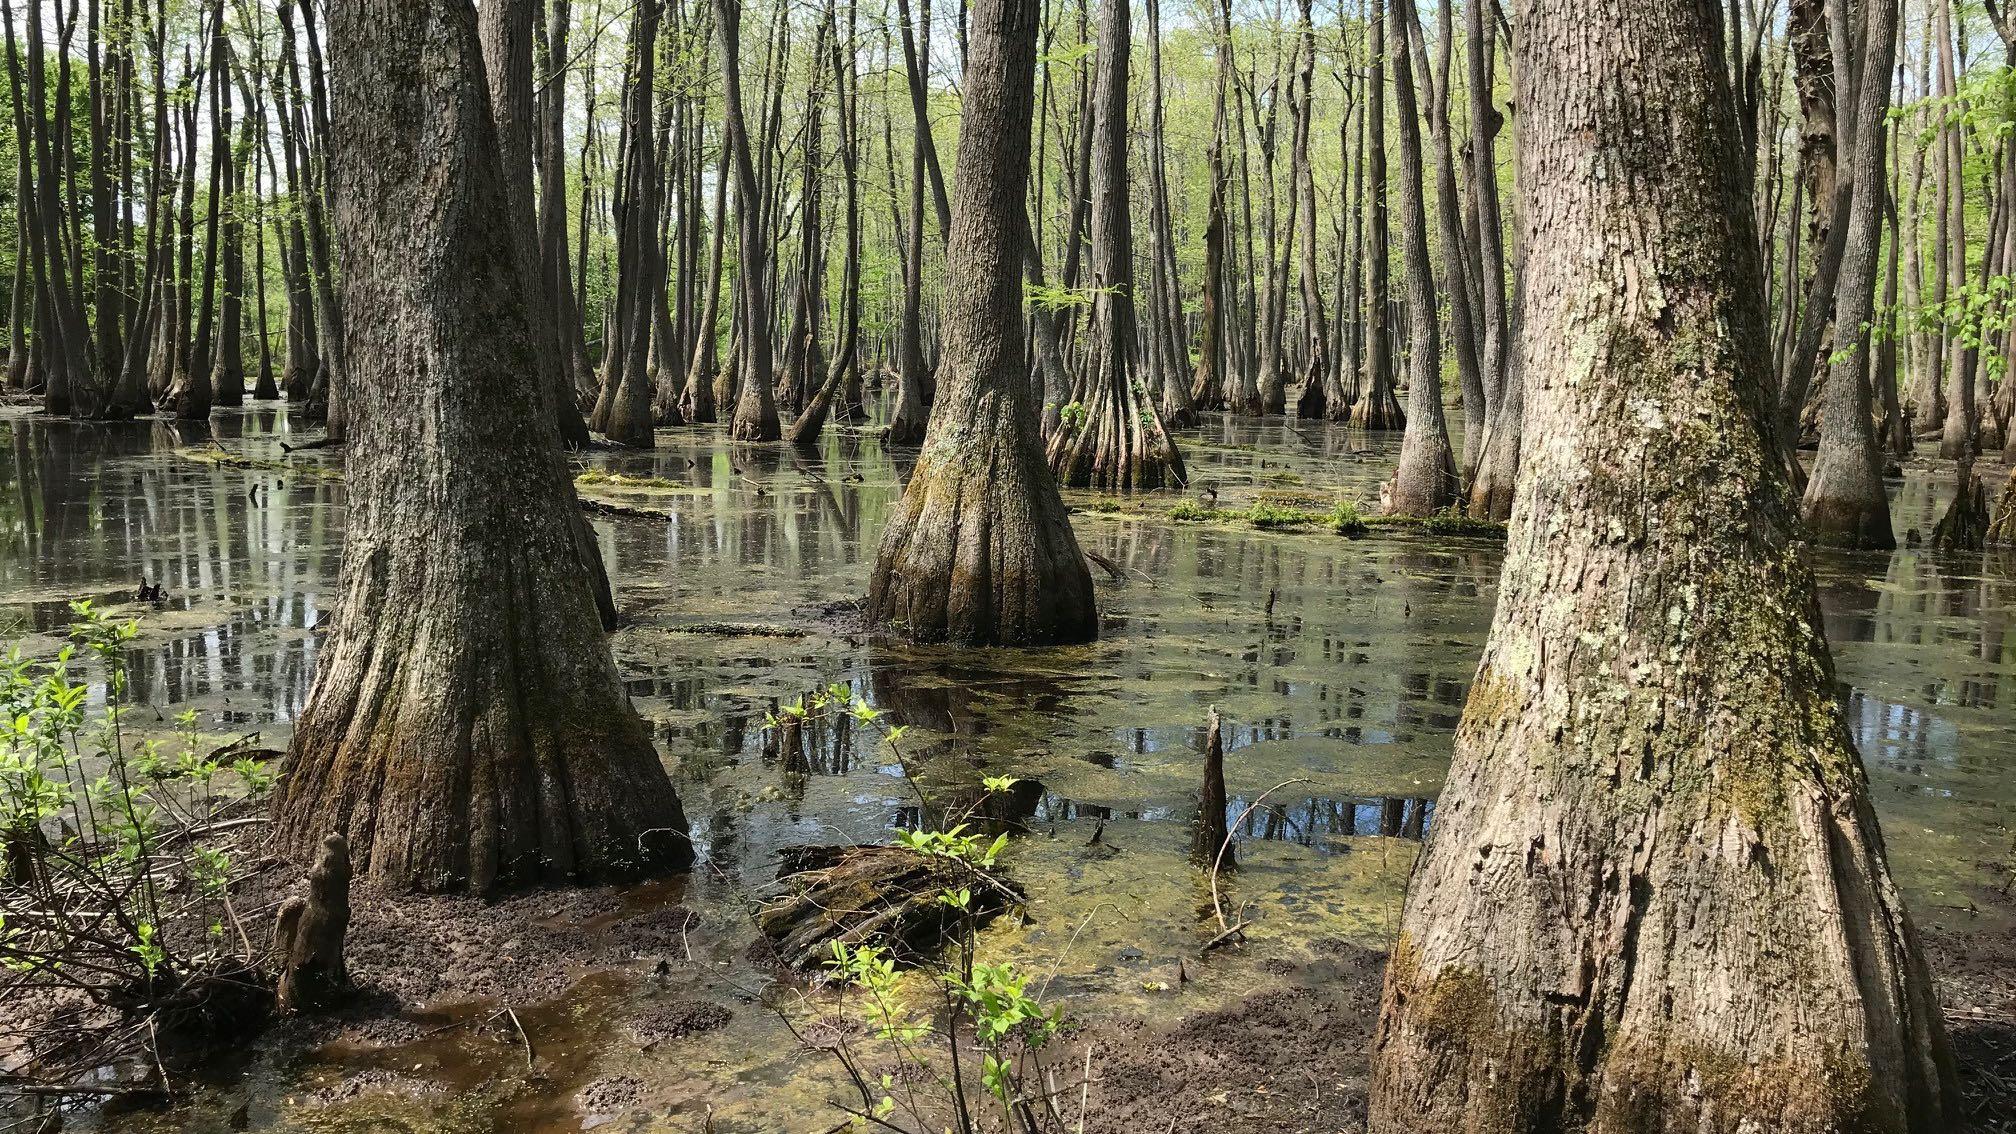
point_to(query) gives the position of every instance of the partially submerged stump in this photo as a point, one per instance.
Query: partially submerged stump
(1964, 527)
(308, 933)
(873, 895)
(2002, 533)
(1208, 833)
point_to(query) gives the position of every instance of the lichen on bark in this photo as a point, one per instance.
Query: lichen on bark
(1655, 897)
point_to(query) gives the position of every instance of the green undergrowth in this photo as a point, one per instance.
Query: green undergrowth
(1272, 513)
(1449, 521)
(623, 480)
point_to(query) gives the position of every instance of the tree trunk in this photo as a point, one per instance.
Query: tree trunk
(328, 396)
(755, 417)
(1170, 338)
(1655, 898)
(1424, 481)
(1207, 385)
(623, 409)
(980, 550)
(1455, 238)
(227, 373)
(805, 431)
(468, 727)
(1118, 443)
(506, 28)
(563, 322)
(1377, 407)
(1316, 327)
(1956, 437)
(696, 402)
(907, 421)
(1485, 122)
(2002, 532)
(1844, 503)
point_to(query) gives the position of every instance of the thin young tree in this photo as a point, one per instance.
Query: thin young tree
(980, 550)
(1377, 406)
(1655, 897)
(755, 416)
(468, 728)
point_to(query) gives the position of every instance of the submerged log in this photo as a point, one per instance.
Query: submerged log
(873, 895)
(308, 933)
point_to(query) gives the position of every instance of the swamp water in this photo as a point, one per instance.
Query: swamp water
(1341, 665)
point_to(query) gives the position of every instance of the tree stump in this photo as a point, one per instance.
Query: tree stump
(308, 933)
(1964, 527)
(2002, 533)
(873, 895)
(1208, 833)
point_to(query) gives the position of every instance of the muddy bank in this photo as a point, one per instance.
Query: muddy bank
(573, 1011)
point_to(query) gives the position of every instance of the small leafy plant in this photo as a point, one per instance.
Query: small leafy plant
(115, 909)
(917, 1074)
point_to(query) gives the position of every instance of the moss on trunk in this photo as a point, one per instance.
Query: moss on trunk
(468, 727)
(1655, 897)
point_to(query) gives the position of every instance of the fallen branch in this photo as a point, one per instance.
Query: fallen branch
(873, 895)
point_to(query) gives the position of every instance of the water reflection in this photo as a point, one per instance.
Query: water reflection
(1345, 662)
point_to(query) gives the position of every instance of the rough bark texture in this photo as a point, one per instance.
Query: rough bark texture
(980, 549)
(1424, 480)
(2002, 533)
(1655, 897)
(308, 933)
(1118, 443)
(1844, 504)
(468, 727)
(1208, 831)
(1813, 77)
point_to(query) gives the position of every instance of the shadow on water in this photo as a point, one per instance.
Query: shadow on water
(1340, 664)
